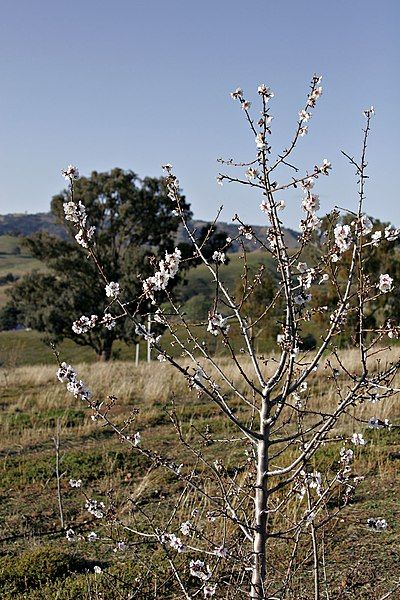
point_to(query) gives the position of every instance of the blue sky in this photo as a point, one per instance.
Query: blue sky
(136, 84)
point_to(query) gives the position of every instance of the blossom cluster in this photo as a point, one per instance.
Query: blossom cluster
(70, 173)
(310, 203)
(112, 290)
(200, 570)
(66, 374)
(167, 269)
(85, 324)
(266, 94)
(95, 508)
(377, 524)
(312, 480)
(219, 257)
(217, 323)
(246, 231)
(76, 212)
(385, 283)
(175, 542)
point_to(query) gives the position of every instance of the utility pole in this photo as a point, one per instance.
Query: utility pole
(137, 349)
(148, 337)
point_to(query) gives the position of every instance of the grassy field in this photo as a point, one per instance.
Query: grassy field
(14, 263)
(37, 561)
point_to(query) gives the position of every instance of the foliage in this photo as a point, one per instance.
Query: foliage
(134, 221)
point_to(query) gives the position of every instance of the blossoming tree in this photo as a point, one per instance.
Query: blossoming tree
(281, 493)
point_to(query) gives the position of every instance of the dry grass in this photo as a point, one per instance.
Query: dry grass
(33, 401)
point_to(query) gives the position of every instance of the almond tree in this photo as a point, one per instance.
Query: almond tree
(282, 494)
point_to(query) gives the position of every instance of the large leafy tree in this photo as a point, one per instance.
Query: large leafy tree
(134, 220)
(380, 258)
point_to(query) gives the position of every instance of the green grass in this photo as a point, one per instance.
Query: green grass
(200, 281)
(26, 347)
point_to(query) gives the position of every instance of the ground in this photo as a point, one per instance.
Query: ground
(38, 561)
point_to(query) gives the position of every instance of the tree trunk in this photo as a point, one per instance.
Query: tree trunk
(261, 510)
(105, 353)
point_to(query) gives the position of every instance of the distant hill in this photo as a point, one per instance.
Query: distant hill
(21, 224)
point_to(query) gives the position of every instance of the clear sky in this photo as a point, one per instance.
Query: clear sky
(135, 84)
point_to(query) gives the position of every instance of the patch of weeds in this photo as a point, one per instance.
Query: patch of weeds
(35, 567)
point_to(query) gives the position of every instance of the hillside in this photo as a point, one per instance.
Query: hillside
(21, 224)
(15, 261)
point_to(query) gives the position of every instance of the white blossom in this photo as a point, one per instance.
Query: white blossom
(346, 455)
(186, 528)
(342, 235)
(391, 233)
(108, 321)
(265, 91)
(246, 231)
(70, 173)
(66, 374)
(301, 299)
(369, 112)
(200, 570)
(238, 93)
(385, 283)
(251, 173)
(75, 212)
(313, 96)
(75, 483)
(265, 206)
(97, 569)
(358, 440)
(84, 236)
(112, 290)
(198, 378)
(304, 115)
(95, 508)
(366, 225)
(377, 524)
(376, 237)
(209, 590)
(137, 439)
(374, 423)
(217, 323)
(308, 183)
(325, 167)
(219, 257)
(311, 203)
(92, 537)
(174, 542)
(84, 324)
(260, 141)
(167, 269)
(70, 535)
(246, 105)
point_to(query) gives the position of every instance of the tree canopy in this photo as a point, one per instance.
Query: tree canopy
(134, 220)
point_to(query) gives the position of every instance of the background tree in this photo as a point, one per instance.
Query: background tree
(134, 220)
(382, 257)
(261, 303)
